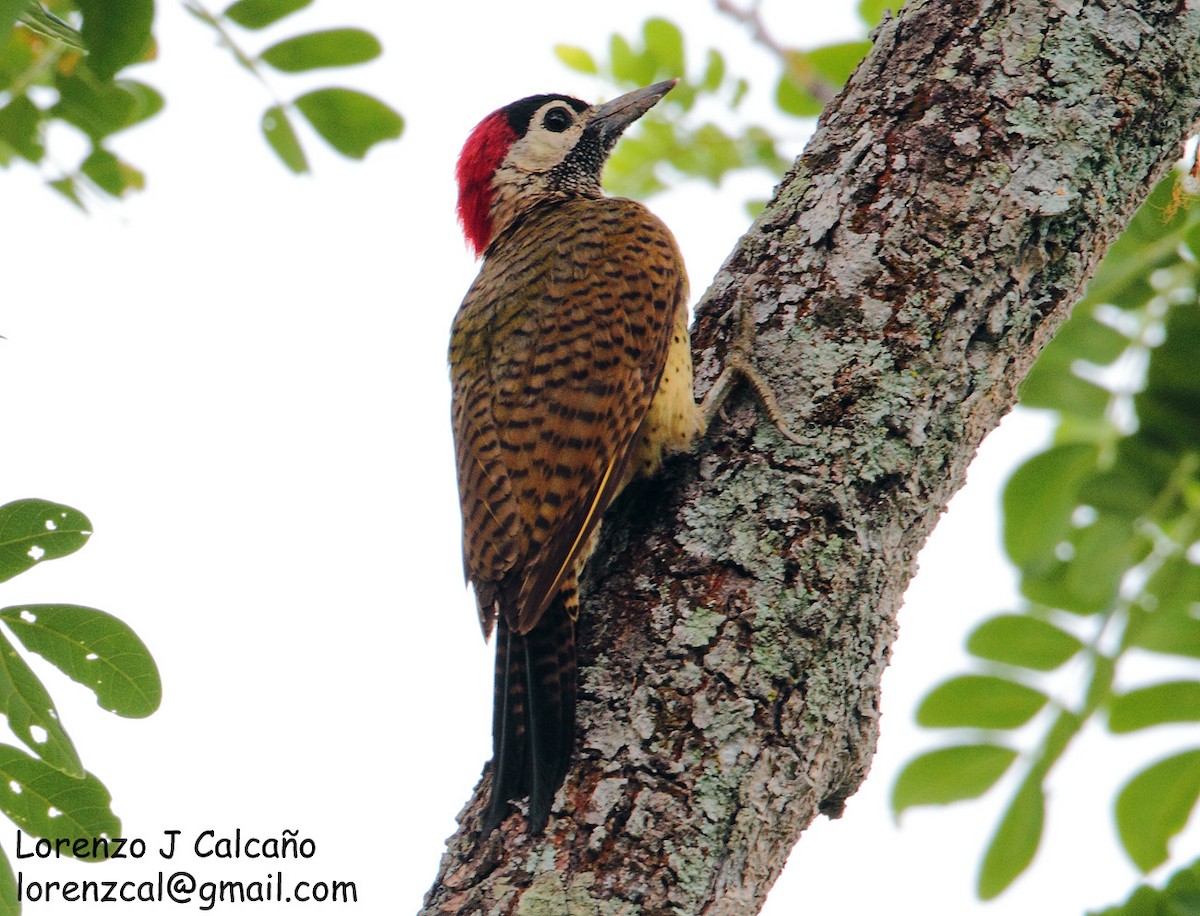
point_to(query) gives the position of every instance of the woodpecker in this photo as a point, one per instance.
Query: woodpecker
(571, 371)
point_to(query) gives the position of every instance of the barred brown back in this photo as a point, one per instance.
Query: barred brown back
(556, 355)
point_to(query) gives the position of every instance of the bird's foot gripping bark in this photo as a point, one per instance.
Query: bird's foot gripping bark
(739, 363)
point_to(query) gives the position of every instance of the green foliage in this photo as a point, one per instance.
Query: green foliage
(871, 11)
(1181, 897)
(51, 794)
(51, 72)
(116, 34)
(676, 133)
(9, 10)
(350, 121)
(69, 70)
(1104, 526)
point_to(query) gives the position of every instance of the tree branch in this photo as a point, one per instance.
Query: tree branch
(739, 615)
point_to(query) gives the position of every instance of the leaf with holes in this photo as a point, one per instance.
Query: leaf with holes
(1015, 842)
(26, 704)
(1017, 639)
(352, 122)
(950, 774)
(93, 648)
(45, 802)
(979, 701)
(327, 48)
(1155, 805)
(32, 530)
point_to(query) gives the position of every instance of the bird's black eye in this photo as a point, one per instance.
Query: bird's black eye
(557, 119)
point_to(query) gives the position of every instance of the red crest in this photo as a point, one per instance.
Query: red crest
(481, 155)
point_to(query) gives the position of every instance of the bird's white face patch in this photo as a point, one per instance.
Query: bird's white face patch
(553, 132)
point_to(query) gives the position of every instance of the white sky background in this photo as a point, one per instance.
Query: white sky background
(240, 377)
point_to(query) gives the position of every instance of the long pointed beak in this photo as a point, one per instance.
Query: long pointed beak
(611, 118)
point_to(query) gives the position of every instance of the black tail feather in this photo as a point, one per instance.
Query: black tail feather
(533, 720)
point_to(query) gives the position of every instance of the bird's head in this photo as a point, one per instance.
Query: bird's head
(541, 148)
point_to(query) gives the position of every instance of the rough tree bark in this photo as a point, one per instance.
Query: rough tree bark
(738, 618)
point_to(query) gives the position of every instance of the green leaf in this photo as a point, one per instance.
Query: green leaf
(1155, 805)
(327, 48)
(1170, 634)
(835, 63)
(44, 802)
(8, 14)
(1039, 500)
(32, 530)
(20, 128)
(96, 107)
(279, 133)
(1181, 897)
(1140, 470)
(714, 71)
(628, 67)
(147, 101)
(1174, 701)
(45, 24)
(9, 906)
(1104, 551)
(1053, 383)
(1017, 639)
(1015, 842)
(979, 701)
(576, 59)
(66, 187)
(352, 122)
(1168, 408)
(950, 774)
(111, 174)
(94, 649)
(258, 14)
(792, 94)
(1149, 242)
(664, 43)
(117, 33)
(26, 704)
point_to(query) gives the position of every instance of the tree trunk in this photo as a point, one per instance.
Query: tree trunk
(738, 616)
